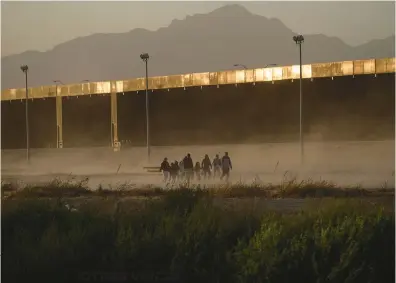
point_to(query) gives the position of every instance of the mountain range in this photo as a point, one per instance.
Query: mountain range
(200, 43)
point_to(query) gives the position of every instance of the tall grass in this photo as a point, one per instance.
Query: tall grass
(286, 189)
(184, 237)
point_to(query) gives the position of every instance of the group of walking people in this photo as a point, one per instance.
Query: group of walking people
(185, 170)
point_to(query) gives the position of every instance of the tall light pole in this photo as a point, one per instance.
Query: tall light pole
(299, 39)
(145, 57)
(58, 120)
(25, 69)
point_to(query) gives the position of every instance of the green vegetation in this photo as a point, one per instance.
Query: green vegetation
(184, 237)
(287, 189)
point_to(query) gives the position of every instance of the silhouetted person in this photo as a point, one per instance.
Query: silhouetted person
(226, 166)
(206, 166)
(174, 171)
(165, 168)
(177, 166)
(188, 167)
(181, 169)
(216, 166)
(197, 171)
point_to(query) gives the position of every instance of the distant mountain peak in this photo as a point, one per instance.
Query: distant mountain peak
(199, 43)
(227, 11)
(231, 10)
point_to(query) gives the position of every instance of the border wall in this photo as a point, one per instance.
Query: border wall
(353, 100)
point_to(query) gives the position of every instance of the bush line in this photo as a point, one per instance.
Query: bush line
(184, 237)
(287, 189)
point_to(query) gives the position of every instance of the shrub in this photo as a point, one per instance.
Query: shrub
(336, 244)
(185, 237)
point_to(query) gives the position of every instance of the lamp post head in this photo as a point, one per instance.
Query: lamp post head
(144, 56)
(24, 68)
(298, 39)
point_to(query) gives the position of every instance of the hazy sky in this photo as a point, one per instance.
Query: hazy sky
(42, 25)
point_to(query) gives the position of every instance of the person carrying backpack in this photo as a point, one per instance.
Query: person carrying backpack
(181, 170)
(188, 167)
(175, 171)
(216, 166)
(226, 166)
(197, 171)
(165, 168)
(206, 167)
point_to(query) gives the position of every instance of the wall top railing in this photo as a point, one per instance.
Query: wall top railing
(320, 70)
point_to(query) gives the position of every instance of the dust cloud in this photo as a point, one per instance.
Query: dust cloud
(368, 164)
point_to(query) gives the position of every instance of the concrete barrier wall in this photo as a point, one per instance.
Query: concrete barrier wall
(132, 117)
(42, 123)
(86, 121)
(345, 108)
(13, 130)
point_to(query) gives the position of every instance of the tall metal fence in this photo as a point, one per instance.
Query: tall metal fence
(321, 70)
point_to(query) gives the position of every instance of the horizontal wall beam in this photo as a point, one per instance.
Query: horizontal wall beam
(323, 70)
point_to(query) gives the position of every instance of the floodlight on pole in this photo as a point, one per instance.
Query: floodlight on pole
(25, 69)
(299, 39)
(145, 57)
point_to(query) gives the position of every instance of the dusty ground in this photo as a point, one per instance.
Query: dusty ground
(368, 164)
